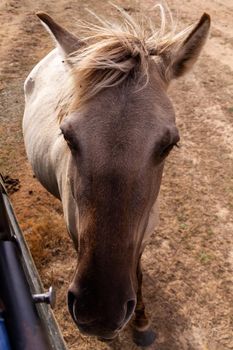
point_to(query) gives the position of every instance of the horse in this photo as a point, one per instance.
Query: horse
(98, 126)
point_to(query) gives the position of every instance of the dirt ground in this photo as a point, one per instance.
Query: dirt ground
(188, 264)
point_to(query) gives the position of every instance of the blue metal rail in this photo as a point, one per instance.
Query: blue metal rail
(28, 325)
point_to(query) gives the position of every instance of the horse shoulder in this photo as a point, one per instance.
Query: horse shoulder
(40, 125)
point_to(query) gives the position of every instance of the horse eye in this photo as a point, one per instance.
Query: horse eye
(72, 144)
(69, 144)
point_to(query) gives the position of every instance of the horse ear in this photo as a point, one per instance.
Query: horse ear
(65, 40)
(182, 59)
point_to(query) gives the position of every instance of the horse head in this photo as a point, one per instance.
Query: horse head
(119, 129)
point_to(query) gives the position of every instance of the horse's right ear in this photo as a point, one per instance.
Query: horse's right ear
(180, 61)
(65, 40)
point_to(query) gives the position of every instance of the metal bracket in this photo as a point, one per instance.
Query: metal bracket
(48, 297)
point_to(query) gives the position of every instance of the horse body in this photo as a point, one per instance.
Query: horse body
(104, 159)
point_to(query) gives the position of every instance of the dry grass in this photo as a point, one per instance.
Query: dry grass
(189, 295)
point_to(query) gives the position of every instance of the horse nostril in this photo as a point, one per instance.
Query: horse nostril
(71, 304)
(79, 315)
(130, 306)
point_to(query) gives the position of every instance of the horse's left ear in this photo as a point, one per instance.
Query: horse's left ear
(182, 59)
(65, 40)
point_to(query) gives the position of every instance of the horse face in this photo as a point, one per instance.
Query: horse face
(119, 138)
(118, 144)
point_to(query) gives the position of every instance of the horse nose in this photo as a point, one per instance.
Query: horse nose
(99, 322)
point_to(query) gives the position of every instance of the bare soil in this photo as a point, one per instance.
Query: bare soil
(188, 264)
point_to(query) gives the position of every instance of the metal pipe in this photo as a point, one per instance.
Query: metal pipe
(23, 324)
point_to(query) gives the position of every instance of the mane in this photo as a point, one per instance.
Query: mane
(113, 52)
